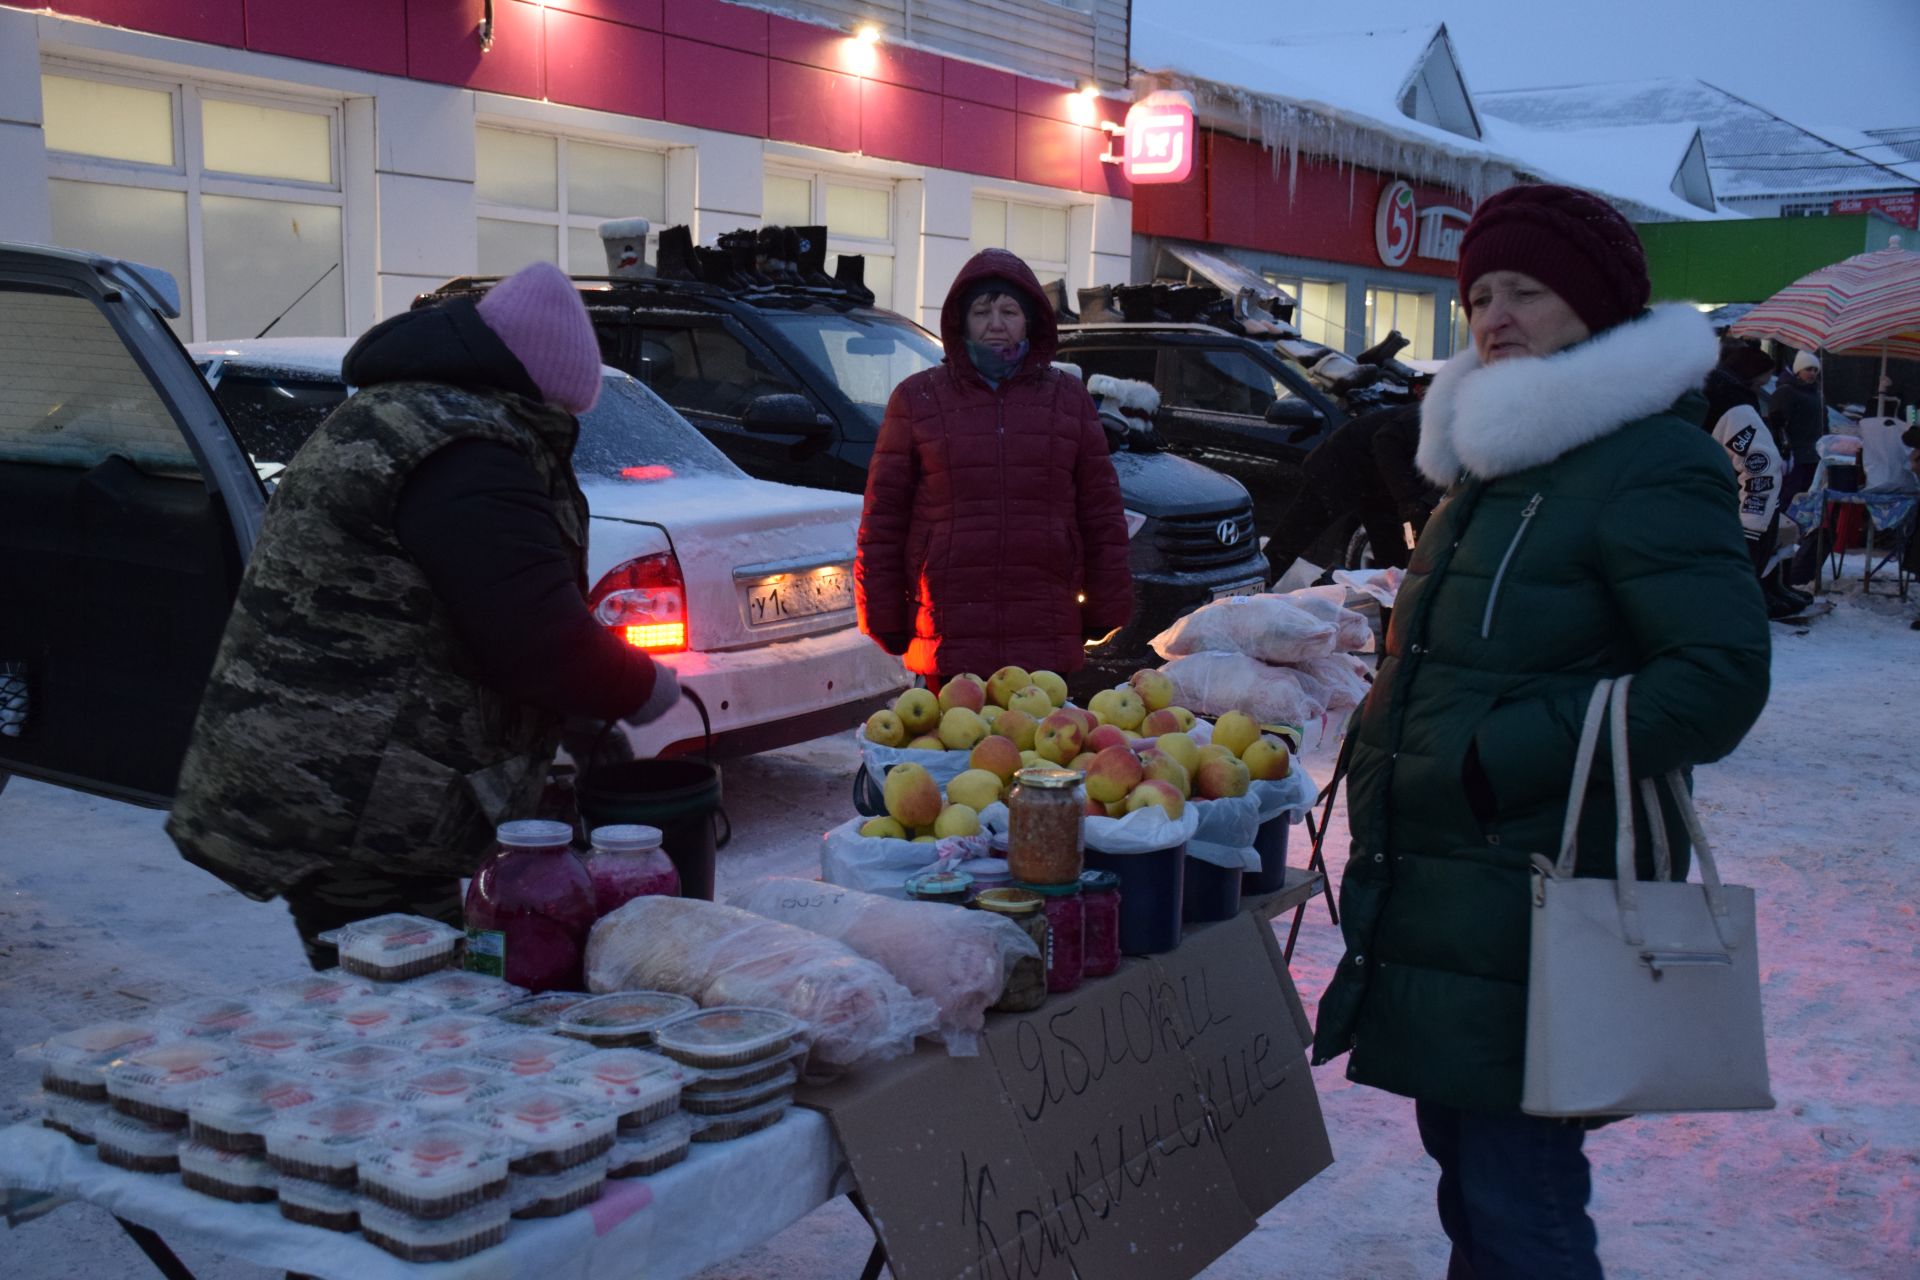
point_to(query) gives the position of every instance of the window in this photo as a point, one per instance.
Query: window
(273, 411)
(1224, 382)
(1136, 364)
(863, 354)
(237, 195)
(542, 198)
(1037, 233)
(707, 371)
(858, 217)
(1410, 313)
(1460, 326)
(1321, 313)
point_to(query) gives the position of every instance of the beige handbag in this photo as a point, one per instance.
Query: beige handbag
(1642, 995)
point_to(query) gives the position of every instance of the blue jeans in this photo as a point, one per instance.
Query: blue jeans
(1513, 1195)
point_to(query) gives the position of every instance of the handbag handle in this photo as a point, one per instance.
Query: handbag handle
(1582, 772)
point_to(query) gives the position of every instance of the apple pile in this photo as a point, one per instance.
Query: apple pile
(1011, 703)
(1175, 768)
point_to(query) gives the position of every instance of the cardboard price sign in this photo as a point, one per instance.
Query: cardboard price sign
(1135, 1128)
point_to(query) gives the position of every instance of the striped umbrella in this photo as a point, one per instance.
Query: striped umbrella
(1868, 305)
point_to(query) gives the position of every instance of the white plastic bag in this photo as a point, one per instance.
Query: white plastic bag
(1382, 584)
(1146, 830)
(1343, 679)
(1269, 627)
(1215, 683)
(1352, 632)
(1225, 831)
(945, 766)
(876, 864)
(854, 1009)
(1294, 794)
(957, 959)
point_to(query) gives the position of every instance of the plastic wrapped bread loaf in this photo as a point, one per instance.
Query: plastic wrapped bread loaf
(720, 955)
(958, 959)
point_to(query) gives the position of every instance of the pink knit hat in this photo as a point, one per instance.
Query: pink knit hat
(537, 312)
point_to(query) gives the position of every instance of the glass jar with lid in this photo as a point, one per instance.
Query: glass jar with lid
(1100, 899)
(952, 887)
(530, 907)
(627, 862)
(1046, 826)
(1065, 953)
(1026, 986)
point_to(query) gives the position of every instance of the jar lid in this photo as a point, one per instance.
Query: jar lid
(1008, 902)
(627, 838)
(533, 833)
(940, 884)
(1049, 779)
(1099, 881)
(1050, 890)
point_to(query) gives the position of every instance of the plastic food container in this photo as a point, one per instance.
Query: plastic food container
(455, 1089)
(552, 1194)
(733, 1101)
(1100, 899)
(232, 1113)
(214, 1016)
(447, 1033)
(74, 1063)
(361, 1066)
(739, 1124)
(72, 1116)
(435, 1171)
(127, 1143)
(538, 1013)
(1152, 893)
(156, 1085)
(625, 1019)
(660, 1145)
(227, 1175)
(727, 1036)
(1026, 987)
(951, 887)
(414, 1239)
(315, 1204)
(458, 991)
(529, 1056)
(1065, 951)
(1046, 826)
(322, 1142)
(395, 947)
(318, 990)
(372, 1018)
(724, 1079)
(638, 1087)
(285, 1040)
(551, 1129)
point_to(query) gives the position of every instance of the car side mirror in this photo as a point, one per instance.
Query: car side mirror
(1291, 411)
(785, 414)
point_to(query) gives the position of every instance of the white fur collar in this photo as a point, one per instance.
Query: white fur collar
(1499, 419)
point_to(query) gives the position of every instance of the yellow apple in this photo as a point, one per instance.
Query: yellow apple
(1181, 747)
(1268, 760)
(974, 788)
(991, 714)
(1059, 738)
(912, 796)
(1220, 779)
(1050, 684)
(1007, 681)
(961, 729)
(885, 728)
(1155, 690)
(963, 691)
(926, 742)
(918, 710)
(1236, 731)
(957, 820)
(1032, 700)
(1114, 772)
(997, 755)
(1018, 727)
(883, 828)
(1156, 792)
(1159, 765)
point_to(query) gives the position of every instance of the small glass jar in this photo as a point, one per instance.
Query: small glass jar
(627, 862)
(951, 887)
(1026, 986)
(529, 909)
(1100, 899)
(1066, 934)
(1046, 829)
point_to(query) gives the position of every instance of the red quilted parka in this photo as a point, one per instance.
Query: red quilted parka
(990, 511)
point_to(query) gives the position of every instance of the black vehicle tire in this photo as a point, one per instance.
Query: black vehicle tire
(1359, 552)
(1331, 548)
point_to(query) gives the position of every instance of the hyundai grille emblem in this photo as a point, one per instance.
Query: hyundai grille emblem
(1228, 531)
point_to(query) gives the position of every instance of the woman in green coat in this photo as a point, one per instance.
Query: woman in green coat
(1589, 529)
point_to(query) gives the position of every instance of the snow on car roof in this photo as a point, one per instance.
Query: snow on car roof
(298, 355)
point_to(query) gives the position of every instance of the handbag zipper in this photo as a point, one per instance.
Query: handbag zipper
(1493, 596)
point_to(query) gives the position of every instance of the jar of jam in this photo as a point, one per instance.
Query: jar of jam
(530, 907)
(1026, 986)
(952, 887)
(1066, 934)
(1046, 829)
(627, 862)
(1100, 899)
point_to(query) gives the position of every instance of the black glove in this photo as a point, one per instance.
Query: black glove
(665, 695)
(893, 644)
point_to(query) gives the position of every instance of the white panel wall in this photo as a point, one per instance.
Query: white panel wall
(23, 152)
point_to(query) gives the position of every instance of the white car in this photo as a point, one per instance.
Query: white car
(743, 587)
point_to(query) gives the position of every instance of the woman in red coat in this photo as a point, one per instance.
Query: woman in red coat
(993, 532)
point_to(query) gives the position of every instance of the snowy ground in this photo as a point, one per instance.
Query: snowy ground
(1819, 811)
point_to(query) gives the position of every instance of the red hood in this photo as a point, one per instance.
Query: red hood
(1043, 334)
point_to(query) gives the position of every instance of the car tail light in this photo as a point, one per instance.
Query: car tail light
(644, 601)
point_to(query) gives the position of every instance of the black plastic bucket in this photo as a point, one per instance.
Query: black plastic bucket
(1271, 841)
(1152, 886)
(1212, 892)
(681, 797)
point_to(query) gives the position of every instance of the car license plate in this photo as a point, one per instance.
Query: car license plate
(1246, 588)
(787, 596)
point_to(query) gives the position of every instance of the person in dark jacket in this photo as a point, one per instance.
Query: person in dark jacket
(993, 532)
(1589, 530)
(1798, 417)
(412, 629)
(1365, 469)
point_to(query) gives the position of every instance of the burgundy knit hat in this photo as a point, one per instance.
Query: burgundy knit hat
(537, 312)
(1576, 244)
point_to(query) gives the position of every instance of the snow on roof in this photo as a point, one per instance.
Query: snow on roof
(1884, 147)
(1751, 151)
(1633, 164)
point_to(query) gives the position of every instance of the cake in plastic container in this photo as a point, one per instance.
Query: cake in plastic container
(395, 947)
(285, 1039)
(625, 1019)
(637, 1086)
(156, 1085)
(541, 1012)
(321, 1142)
(529, 1056)
(232, 1113)
(727, 1036)
(315, 990)
(414, 1239)
(549, 1195)
(74, 1063)
(739, 1124)
(373, 1018)
(75, 1117)
(746, 1098)
(227, 1175)
(727, 1079)
(435, 1170)
(127, 1143)
(640, 1152)
(448, 1089)
(551, 1129)
(454, 1034)
(459, 991)
(214, 1016)
(317, 1204)
(361, 1066)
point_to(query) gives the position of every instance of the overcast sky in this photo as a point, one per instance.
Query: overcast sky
(1848, 62)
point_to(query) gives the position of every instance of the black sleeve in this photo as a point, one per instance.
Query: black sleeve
(476, 520)
(1394, 445)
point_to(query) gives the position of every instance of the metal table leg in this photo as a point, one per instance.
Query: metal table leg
(877, 1260)
(162, 1257)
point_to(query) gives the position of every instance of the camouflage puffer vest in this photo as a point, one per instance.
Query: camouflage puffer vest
(342, 722)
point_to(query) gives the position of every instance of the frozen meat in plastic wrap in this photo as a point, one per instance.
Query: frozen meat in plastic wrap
(958, 959)
(1213, 684)
(721, 955)
(1343, 680)
(1352, 632)
(1268, 627)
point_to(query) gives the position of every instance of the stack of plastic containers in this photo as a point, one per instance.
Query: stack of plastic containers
(643, 1091)
(542, 1012)
(225, 1155)
(395, 948)
(150, 1092)
(528, 1057)
(623, 1020)
(746, 1061)
(316, 1151)
(560, 1140)
(73, 1076)
(435, 1193)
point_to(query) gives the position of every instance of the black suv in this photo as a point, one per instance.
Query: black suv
(1232, 403)
(791, 382)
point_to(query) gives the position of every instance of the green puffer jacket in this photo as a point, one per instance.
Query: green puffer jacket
(1590, 530)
